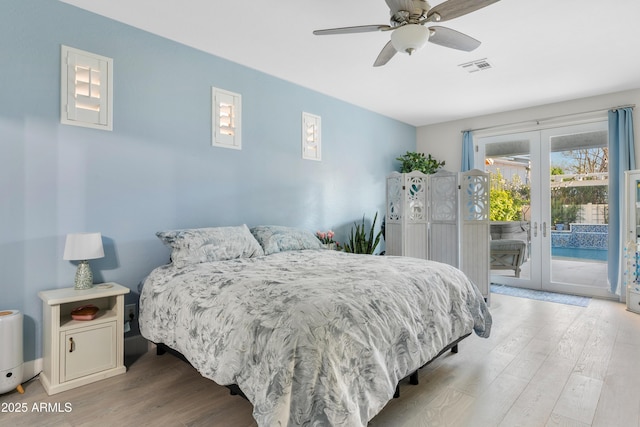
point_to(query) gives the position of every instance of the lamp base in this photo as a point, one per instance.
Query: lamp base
(84, 276)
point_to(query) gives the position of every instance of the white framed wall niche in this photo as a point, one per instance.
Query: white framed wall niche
(227, 119)
(86, 89)
(311, 137)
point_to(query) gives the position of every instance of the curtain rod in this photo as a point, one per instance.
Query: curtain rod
(537, 121)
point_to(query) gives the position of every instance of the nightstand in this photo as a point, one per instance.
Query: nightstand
(633, 299)
(79, 352)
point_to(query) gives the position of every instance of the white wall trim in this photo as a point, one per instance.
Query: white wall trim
(31, 368)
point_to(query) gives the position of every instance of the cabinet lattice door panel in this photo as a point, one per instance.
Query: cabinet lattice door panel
(443, 217)
(475, 228)
(406, 224)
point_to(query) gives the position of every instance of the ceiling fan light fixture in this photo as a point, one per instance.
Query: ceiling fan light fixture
(409, 38)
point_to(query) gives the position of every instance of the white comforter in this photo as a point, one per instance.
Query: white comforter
(313, 337)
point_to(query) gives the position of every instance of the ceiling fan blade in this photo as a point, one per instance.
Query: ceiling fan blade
(454, 8)
(398, 5)
(351, 30)
(451, 38)
(385, 55)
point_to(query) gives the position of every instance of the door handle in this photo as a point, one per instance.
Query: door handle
(544, 229)
(535, 229)
(72, 345)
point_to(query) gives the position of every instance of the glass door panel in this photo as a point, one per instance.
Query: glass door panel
(549, 193)
(514, 219)
(576, 209)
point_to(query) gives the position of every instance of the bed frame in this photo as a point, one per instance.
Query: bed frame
(163, 349)
(235, 390)
(413, 378)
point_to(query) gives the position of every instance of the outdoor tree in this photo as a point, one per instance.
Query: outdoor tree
(556, 170)
(508, 199)
(589, 160)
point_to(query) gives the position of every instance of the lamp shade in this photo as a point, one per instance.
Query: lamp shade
(83, 246)
(410, 37)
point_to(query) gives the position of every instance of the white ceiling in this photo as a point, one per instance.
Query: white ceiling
(542, 51)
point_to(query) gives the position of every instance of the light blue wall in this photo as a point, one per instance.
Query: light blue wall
(157, 170)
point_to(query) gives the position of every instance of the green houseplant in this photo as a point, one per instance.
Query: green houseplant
(413, 161)
(362, 241)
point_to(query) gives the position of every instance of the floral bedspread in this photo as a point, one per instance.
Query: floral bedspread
(313, 337)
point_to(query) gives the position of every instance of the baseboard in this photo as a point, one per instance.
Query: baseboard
(136, 344)
(31, 368)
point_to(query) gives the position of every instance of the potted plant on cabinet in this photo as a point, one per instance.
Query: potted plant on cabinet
(412, 161)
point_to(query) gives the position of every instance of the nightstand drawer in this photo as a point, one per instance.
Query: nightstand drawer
(85, 351)
(633, 301)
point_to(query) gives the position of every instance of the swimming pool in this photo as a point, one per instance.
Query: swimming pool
(580, 253)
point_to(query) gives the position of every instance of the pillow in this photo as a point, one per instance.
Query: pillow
(196, 245)
(276, 238)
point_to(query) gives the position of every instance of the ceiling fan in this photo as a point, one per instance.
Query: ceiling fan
(408, 23)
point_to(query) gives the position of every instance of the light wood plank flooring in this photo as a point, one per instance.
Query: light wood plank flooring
(545, 364)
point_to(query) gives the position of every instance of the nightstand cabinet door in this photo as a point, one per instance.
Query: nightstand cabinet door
(85, 351)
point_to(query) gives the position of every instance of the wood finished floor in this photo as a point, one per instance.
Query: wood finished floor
(545, 364)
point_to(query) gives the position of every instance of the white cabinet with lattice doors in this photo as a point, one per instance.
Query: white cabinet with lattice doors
(631, 275)
(442, 217)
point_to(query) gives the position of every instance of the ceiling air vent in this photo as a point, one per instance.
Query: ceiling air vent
(477, 65)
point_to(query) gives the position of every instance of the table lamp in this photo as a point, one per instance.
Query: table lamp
(83, 247)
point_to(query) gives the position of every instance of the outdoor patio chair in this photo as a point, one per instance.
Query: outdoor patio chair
(507, 254)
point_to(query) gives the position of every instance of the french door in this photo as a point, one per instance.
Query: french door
(547, 195)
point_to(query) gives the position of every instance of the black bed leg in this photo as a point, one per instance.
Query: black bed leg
(413, 379)
(160, 349)
(454, 349)
(397, 393)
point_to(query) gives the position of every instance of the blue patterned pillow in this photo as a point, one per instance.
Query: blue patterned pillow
(277, 238)
(196, 245)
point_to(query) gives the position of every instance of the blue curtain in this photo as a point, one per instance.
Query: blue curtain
(621, 159)
(467, 151)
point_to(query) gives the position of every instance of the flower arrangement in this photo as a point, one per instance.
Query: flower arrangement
(327, 240)
(325, 237)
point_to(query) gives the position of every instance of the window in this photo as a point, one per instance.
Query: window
(227, 115)
(86, 89)
(311, 137)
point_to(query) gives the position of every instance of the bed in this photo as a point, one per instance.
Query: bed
(310, 336)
